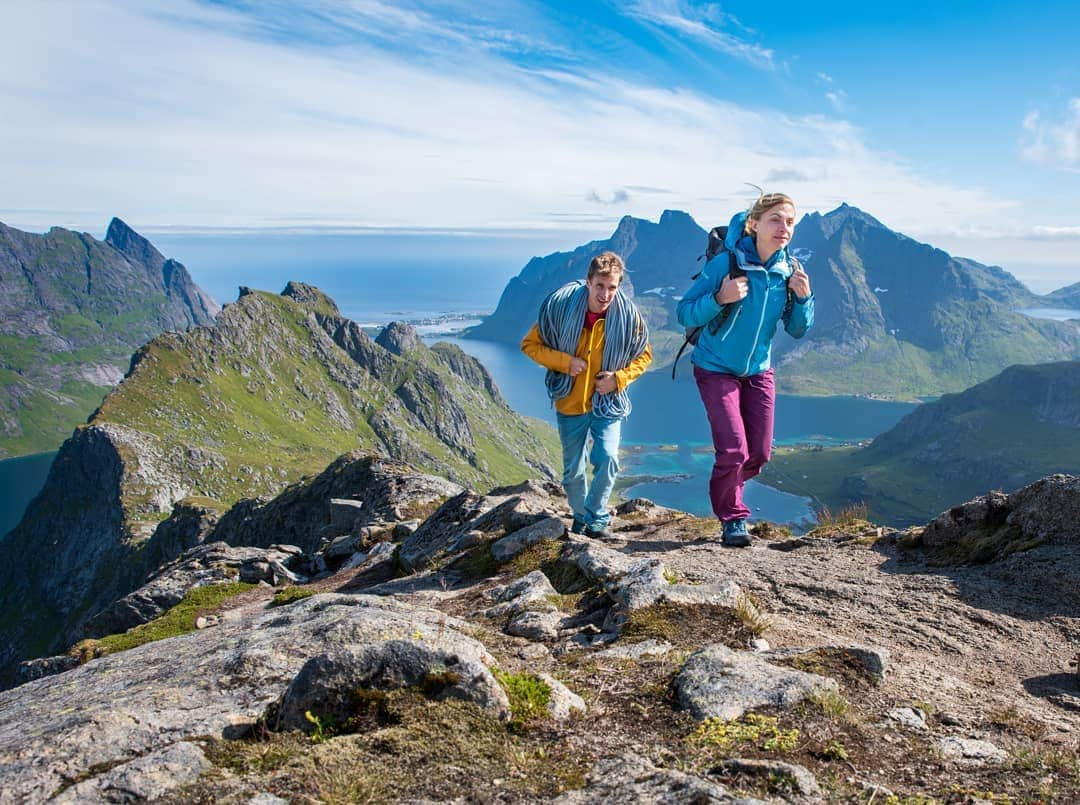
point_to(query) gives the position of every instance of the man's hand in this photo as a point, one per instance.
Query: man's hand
(732, 290)
(799, 283)
(577, 366)
(605, 382)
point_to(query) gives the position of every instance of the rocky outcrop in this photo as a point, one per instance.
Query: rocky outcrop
(121, 707)
(72, 311)
(306, 515)
(528, 687)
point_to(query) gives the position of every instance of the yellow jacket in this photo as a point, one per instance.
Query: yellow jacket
(590, 348)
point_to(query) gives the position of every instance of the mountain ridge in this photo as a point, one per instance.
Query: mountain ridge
(1018, 426)
(896, 318)
(276, 389)
(72, 311)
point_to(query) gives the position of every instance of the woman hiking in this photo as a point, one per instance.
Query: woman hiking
(732, 358)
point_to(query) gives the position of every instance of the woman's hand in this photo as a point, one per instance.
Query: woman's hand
(732, 290)
(799, 283)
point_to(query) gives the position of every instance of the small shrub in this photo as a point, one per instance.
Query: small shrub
(750, 614)
(291, 594)
(529, 696)
(318, 732)
(753, 729)
(832, 705)
(835, 751)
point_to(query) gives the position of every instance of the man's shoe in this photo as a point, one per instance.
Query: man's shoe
(601, 533)
(577, 527)
(736, 534)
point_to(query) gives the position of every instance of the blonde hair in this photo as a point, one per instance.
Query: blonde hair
(765, 202)
(607, 263)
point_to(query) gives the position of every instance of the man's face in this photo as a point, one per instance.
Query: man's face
(602, 288)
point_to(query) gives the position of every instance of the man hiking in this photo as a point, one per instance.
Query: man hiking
(594, 342)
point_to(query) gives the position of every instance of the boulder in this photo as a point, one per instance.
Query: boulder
(326, 685)
(717, 682)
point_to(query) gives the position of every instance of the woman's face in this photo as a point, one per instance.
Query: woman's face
(774, 228)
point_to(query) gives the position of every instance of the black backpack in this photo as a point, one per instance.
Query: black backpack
(715, 245)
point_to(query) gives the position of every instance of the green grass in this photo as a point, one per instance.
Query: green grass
(529, 696)
(291, 594)
(752, 729)
(176, 621)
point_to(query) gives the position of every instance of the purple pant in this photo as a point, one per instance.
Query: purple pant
(740, 411)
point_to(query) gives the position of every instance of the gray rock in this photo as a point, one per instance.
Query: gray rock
(534, 625)
(1045, 511)
(44, 666)
(637, 651)
(139, 701)
(910, 717)
(380, 552)
(533, 590)
(717, 682)
(326, 684)
(596, 562)
(511, 545)
(563, 700)
(799, 778)
(873, 660)
(210, 563)
(505, 510)
(970, 751)
(631, 778)
(142, 779)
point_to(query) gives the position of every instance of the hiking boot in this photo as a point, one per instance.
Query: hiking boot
(601, 533)
(577, 527)
(736, 534)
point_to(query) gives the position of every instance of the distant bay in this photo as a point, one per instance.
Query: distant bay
(20, 480)
(1051, 313)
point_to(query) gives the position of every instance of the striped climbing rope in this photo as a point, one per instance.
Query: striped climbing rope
(626, 335)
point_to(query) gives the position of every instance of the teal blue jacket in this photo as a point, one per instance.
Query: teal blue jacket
(742, 346)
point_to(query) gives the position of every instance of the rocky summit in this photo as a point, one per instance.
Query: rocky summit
(72, 311)
(216, 422)
(430, 642)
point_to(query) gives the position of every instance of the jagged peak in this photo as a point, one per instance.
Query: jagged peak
(131, 244)
(847, 212)
(676, 218)
(399, 338)
(311, 297)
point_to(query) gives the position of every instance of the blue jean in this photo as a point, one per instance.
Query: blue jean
(589, 503)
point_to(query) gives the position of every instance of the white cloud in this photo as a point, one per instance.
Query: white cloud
(187, 123)
(1054, 144)
(706, 24)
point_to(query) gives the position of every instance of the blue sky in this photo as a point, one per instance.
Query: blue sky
(957, 124)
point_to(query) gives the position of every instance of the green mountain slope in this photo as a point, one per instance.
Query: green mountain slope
(72, 310)
(1009, 431)
(273, 392)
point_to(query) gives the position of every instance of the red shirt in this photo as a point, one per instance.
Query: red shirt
(591, 318)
